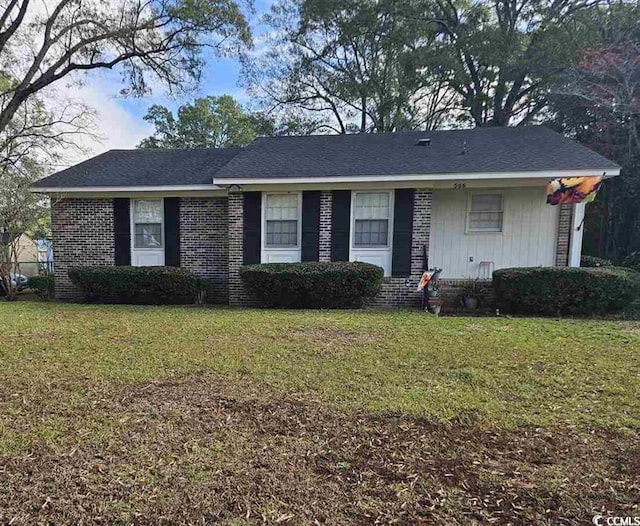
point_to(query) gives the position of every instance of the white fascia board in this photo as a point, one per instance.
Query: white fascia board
(123, 189)
(551, 174)
(220, 184)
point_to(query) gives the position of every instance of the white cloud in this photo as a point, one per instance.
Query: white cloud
(116, 126)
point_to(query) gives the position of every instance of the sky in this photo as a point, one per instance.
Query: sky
(119, 120)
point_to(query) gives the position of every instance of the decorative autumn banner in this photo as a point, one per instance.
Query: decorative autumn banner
(572, 190)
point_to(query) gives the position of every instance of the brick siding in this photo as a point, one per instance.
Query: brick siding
(326, 202)
(326, 207)
(204, 241)
(238, 296)
(564, 235)
(82, 235)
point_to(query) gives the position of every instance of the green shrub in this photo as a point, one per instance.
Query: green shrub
(135, 285)
(313, 285)
(632, 261)
(564, 290)
(43, 286)
(593, 261)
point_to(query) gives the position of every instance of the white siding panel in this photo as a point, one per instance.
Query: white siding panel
(528, 237)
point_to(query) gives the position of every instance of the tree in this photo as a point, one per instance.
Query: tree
(160, 37)
(352, 65)
(501, 57)
(211, 122)
(38, 132)
(597, 102)
(35, 137)
(20, 210)
(402, 64)
(609, 79)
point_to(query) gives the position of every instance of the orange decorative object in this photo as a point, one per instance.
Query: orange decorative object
(425, 279)
(573, 190)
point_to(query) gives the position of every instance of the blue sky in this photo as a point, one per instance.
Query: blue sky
(119, 120)
(221, 76)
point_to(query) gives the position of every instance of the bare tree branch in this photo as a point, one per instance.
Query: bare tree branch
(163, 37)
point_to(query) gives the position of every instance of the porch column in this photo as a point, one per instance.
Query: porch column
(564, 235)
(422, 206)
(577, 231)
(236, 290)
(326, 202)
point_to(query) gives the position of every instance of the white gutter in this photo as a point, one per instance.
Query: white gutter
(552, 174)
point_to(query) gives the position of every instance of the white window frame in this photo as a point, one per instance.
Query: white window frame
(287, 252)
(146, 250)
(468, 229)
(352, 226)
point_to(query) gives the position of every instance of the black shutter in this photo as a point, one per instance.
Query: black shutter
(402, 229)
(340, 222)
(251, 218)
(310, 226)
(172, 231)
(121, 231)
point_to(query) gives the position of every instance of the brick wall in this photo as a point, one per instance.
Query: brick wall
(204, 241)
(237, 294)
(564, 235)
(82, 235)
(326, 201)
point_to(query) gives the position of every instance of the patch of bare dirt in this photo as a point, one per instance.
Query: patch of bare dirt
(204, 450)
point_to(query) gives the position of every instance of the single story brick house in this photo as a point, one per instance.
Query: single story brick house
(474, 198)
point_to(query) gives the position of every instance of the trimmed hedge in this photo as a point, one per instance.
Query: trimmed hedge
(136, 285)
(593, 261)
(43, 286)
(564, 290)
(313, 285)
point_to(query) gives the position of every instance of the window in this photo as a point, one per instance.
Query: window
(281, 215)
(147, 224)
(485, 213)
(371, 219)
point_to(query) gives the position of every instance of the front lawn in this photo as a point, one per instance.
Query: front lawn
(116, 414)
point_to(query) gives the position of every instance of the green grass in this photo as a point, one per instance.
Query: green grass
(498, 371)
(179, 415)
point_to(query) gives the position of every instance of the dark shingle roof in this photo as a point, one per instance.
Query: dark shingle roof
(529, 148)
(147, 167)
